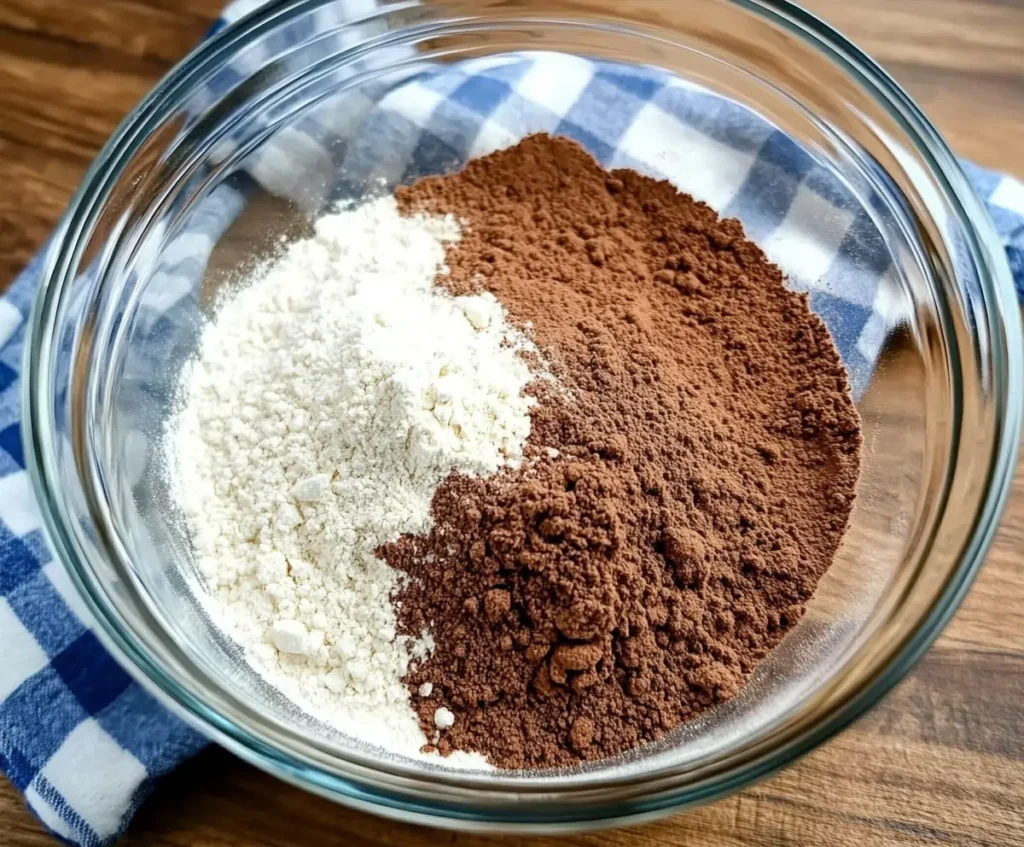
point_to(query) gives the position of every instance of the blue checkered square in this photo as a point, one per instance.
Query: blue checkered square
(766, 195)
(720, 120)
(481, 94)
(602, 114)
(155, 741)
(598, 147)
(10, 446)
(18, 769)
(17, 564)
(642, 84)
(38, 605)
(91, 673)
(434, 155)
(55, 713)
(7, 377)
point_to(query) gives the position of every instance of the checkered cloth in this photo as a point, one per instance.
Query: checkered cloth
(77, 735)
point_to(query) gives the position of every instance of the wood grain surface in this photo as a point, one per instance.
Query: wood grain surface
(941, 761)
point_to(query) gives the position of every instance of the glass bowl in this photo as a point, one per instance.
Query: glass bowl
(216, 168)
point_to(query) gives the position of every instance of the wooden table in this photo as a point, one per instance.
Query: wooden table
(940, 762)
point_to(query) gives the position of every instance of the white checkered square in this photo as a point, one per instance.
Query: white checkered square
(414, 102)
(1009, 195)
(555, 81)
(22, 655)
(240, 8)
(697, 164)
(95, 775)
(61, 582)
(10, 320)
(492, 138)
(18, 507)
(891, 307)
(295, 166)
(805, 244)
(46, 813)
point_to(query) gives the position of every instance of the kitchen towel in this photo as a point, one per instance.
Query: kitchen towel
(78, 736)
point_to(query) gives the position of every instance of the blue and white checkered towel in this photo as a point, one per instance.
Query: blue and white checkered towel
(77, 735)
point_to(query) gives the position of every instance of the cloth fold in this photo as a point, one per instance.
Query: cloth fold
(78, 736)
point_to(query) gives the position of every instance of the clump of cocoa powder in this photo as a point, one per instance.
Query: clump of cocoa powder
(689, 483)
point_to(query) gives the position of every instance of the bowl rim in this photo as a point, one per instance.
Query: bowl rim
(64, 253)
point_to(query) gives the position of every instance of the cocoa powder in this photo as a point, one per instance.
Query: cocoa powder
(690, 478)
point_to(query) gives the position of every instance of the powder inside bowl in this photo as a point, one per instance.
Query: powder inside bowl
(538, 471)
(705, 456)
(331, 396)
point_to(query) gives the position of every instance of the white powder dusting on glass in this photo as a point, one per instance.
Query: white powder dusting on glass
(328, 401)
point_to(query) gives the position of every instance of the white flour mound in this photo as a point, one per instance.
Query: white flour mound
(328, 401)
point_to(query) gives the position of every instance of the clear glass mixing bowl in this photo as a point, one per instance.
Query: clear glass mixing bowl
(192, 188)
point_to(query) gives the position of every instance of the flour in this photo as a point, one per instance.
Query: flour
(328, 401)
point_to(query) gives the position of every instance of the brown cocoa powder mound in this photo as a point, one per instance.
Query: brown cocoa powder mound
(708, 451)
